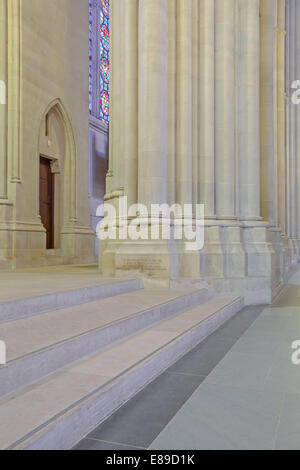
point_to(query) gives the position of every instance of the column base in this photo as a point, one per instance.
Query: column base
(146, 259)
(240, 258)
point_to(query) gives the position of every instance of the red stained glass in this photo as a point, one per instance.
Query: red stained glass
(99, 59)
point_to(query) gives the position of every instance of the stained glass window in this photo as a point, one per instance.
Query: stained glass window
(99, 59)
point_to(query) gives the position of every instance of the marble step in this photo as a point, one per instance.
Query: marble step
(57, 412)
(42, 344)
(35, 305)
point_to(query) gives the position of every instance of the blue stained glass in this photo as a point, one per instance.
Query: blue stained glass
(101, 78)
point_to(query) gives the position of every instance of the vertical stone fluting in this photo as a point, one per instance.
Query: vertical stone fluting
(267, 147)
(225, 108)
(202, 120)
(297, 131)
(292, 218)
(195, 100)
(171, 98)
(206, 132)
(152, 164)
(294, 139)
(287, 110)
(130, 97)
(3, 114)
(184, 118)
(248, 119)
(113, 183)
(281, 136)
(14, 78)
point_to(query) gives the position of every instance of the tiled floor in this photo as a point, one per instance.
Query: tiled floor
(237, 390)
(141, 420)
(251, 399)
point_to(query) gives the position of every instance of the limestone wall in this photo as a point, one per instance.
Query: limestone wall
(47, 66)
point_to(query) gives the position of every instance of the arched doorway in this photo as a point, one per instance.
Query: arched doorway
(57, 173)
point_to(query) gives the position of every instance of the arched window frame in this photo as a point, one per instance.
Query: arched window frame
(99, 59)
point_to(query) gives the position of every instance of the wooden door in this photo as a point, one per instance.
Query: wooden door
(47, 200)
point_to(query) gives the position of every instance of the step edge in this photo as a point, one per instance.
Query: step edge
(72, 342)
(47, 297)
(28, 440)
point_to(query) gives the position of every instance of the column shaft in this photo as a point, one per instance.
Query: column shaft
(130, 99)
(297, 130)
(248, 118)
(292, 125)
(225, 108)
(195, 99)
(268, 175)
(171, 99)
(152, 102)
(115, 127)
(206, 129)
(3, 78)
(184, 118)
(281, 133)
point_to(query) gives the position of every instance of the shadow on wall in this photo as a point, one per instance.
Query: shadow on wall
(98, 170)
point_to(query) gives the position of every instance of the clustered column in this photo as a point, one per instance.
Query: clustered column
(152, 133)
(198, 116)
(248, 119)
(225, 108)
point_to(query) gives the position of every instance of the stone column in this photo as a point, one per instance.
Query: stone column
(281, 135)
(248, 119)
(297, 130)
(292, 202)
(187, 124)
(113, 182)
(225, 108)
(268, 19)
(259, 252)
(282, 140)
(148, 100)
(3, 108)
(212, 258)
(171, 98)
(206, 130)
(184, 98)
(130, 99)
(152, 102)
(195, 100)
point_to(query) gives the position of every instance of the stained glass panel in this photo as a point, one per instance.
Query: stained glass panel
(99, 59)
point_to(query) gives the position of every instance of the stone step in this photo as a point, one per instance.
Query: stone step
(42, 344)
(35, 305)
(57, 412)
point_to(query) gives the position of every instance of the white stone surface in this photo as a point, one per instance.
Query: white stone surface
(59, 411)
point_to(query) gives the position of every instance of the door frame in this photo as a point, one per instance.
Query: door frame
(49, 161)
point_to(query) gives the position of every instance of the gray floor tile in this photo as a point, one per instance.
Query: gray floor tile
(284, 376)
(203, 359)
(91, 444)
(238, 325)
(219, 417)
(248, 371)
(256, 343)
(288, 436)
(289, 298)
(140, 421)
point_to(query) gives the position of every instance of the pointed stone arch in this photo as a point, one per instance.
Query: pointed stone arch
(56, 143)
(70, 158)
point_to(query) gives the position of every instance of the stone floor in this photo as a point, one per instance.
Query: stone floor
(27, 283)
(237, 390)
